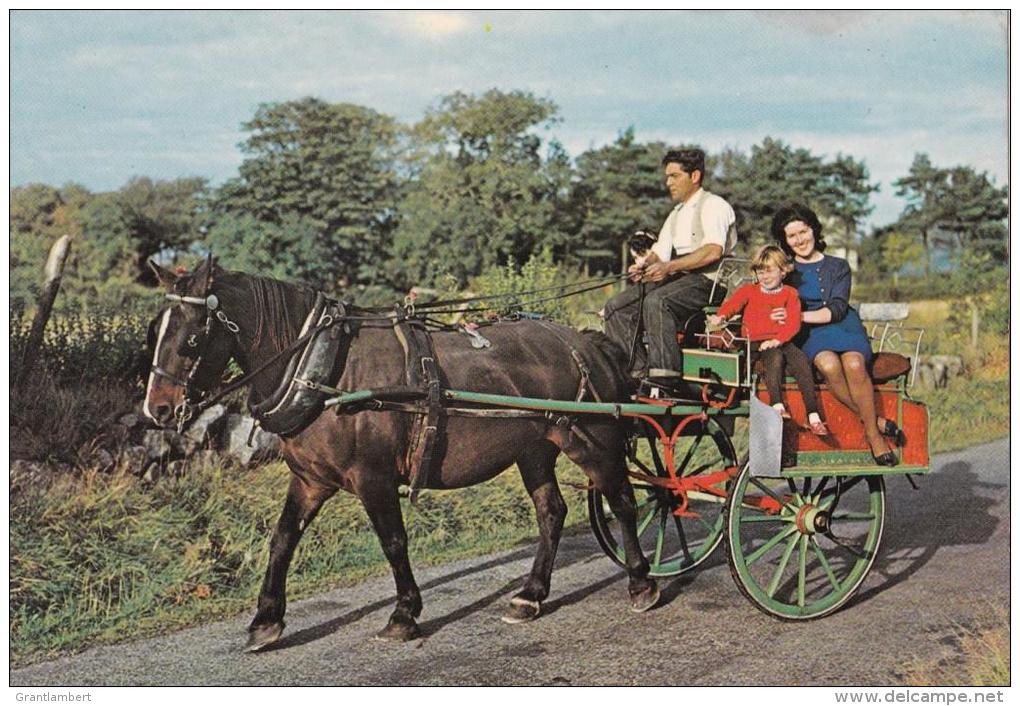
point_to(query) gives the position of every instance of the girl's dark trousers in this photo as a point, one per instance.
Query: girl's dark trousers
(798, 365)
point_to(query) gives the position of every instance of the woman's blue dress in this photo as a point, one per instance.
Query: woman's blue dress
(840, 336)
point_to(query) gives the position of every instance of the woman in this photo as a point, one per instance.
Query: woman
(832, 335)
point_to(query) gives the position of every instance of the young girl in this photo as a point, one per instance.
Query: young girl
(771, 340)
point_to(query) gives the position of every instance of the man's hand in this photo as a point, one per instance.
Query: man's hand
(656, 272)
(771, 343)
(636, 271)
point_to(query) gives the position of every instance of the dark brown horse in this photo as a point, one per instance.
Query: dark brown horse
(252, 319)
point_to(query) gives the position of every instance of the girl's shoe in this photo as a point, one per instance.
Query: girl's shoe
(818, 428)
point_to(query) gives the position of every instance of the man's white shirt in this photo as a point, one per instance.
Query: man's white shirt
(676, 235)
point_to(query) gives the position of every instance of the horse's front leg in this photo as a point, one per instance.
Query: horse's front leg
(379, 496)
(302, 504)
(538, 470)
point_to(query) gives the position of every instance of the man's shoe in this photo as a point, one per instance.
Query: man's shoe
(663, 374)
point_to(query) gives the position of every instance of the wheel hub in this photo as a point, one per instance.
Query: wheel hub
(811, 520)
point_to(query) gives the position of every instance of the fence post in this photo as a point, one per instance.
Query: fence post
(54, 272)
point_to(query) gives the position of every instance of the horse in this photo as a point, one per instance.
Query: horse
(217, 314)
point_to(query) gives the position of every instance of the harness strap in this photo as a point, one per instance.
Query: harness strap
(422, 373)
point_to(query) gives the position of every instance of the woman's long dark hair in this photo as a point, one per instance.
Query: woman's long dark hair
(796, 212)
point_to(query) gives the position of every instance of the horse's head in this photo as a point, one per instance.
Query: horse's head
(191, 340)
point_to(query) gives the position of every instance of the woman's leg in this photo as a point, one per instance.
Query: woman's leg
(863, 392)
(831, 367)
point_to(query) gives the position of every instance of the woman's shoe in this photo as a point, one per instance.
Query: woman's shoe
(892, 431)
(886, 459)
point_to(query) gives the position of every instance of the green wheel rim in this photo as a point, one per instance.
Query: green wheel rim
(671, 544)
(807, 559)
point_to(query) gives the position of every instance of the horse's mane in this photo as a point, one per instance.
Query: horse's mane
(274, 306)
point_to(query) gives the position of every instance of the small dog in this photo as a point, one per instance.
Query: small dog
(640, 242)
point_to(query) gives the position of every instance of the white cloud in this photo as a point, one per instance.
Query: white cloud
(430, 25)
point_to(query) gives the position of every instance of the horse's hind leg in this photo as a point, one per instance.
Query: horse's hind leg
(302, 504)
(605, 465)
(538, 472)
(644, 593)
(383, 507)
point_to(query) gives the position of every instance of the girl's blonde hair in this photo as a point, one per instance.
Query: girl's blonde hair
(772, 255)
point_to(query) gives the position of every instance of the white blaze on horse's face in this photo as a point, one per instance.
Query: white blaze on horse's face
(164, 323)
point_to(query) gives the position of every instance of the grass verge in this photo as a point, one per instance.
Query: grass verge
(980, 658)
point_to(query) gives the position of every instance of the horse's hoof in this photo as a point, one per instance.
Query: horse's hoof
(399, 631)
(521, 610)
(263, 636)
(645, 600)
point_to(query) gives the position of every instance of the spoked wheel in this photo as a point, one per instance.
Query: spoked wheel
(672, 544)
(800, 548)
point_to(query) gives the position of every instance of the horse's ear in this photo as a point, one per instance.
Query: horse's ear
(166, 278)
(210, 263)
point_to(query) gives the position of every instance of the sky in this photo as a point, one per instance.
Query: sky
(97, 97)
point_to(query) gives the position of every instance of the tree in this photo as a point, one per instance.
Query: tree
(160, 216)
(617, 189)
(289, 250)
(898, 250)
(957, 202)
(846, 194)
(39, 214)
(976, 212)
(772, 175)
(331, 165)
(482, 193)
(924, 189)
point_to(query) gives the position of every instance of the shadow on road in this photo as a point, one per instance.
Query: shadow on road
(947, 510)
(566, 558)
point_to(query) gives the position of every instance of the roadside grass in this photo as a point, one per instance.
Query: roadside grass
(979, 657)
(98, 558)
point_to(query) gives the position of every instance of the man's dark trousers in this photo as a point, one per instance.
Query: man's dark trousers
(667, 307)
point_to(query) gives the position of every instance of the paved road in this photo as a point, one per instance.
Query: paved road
(944, 567)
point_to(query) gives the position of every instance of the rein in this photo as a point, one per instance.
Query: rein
(191, 406)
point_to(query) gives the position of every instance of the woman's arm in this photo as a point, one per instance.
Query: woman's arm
(836, 291)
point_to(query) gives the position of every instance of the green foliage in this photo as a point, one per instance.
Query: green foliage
(90, 366)
(539, 272)
(617, 190)
(482, 193)
(957, 206)
(84, 345)
(776, 173)
(326, 166)
(291, 250)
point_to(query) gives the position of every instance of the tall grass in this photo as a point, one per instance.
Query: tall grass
(89, 368)
(100, 557)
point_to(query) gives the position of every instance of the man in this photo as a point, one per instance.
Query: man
(677, 270)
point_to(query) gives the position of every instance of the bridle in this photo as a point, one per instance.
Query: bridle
(195, 401)
(193, 392)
